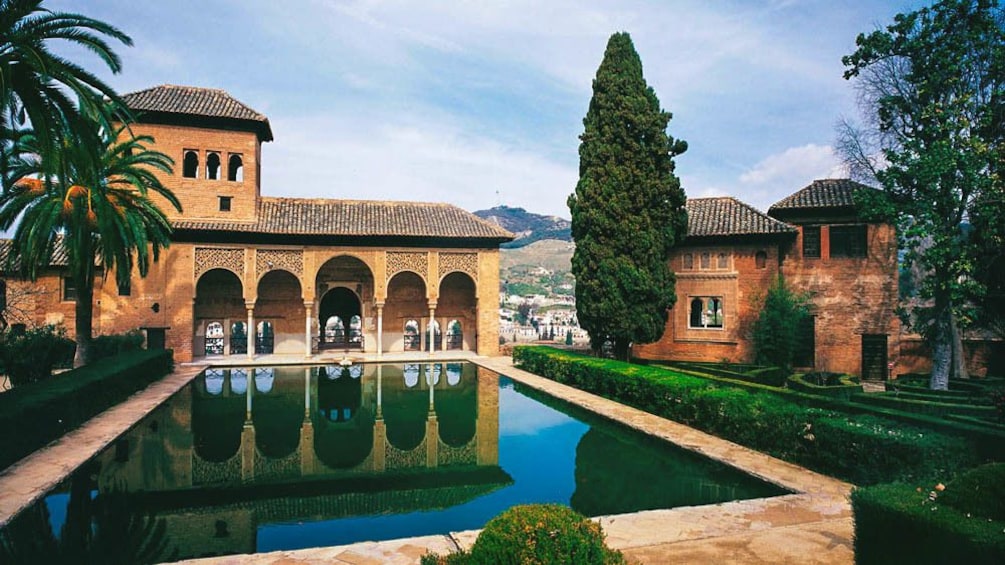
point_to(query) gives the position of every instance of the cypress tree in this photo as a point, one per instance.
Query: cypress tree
(628, 209)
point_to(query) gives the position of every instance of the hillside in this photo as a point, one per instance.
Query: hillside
(527, 226)
(520, 268)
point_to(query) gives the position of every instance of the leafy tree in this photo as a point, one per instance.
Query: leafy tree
(932, 88)
(776, 332)
(100, 211)
(37, 85)
(628, 208)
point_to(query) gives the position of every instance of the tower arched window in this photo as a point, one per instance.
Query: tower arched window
(190, 165)
(723, 261)
(706, 260)
(760, 260)
(235, 168)
(213, 166)
(688, 261)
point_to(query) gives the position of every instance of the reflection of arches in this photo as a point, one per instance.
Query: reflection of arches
(457, 405)
(217, 417)
(278, 411)
(343, 429)
(340, 315)
(411, 337)
(410, 373)
(405, 408)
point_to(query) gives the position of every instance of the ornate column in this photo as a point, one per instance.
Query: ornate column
(430, 329)
(380, 332)
(251, 329)
(308, 311)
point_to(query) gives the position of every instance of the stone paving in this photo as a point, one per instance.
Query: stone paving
(812, 525)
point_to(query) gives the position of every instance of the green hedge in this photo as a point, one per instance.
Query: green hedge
(757, 374)
(895, 523)
(940, 409)
(843, 390)
(43, 411)
(859, 448)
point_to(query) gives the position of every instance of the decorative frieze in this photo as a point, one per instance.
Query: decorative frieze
(463, 262)
(208, 258)
(415, 261)
(291, 260)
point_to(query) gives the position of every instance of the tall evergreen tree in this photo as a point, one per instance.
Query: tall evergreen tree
(628, 209)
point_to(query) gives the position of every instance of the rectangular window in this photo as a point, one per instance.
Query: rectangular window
(125, 289)
(705, 312)
(811, 241)
(69, 290)
(848, 241)
(225, 203)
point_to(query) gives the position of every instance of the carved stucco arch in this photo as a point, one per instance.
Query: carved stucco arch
(322, 260)
(289, 260)
(413, 261)
(229, 259)
(466, 263)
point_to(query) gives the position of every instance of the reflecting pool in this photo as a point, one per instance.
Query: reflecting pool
(261, 459)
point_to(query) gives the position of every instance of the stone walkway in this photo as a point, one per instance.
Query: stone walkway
(813, 525)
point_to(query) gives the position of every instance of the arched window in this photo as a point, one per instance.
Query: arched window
(238, 338)
(688, 261)
(214, 338)
(355, 330)
(334, 330)
(761, 259)
(713, 314)
(706, 261)
(235, 168)
(433, 334)
(265, 340)
(213, 166)
(190, 165)
(455, 335)
(723, 262)
(696, 309)
(412, 340)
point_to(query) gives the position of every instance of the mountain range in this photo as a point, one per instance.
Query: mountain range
(527, 226)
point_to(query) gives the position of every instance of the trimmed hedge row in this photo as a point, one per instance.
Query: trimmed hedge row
(756, 374)
(37, 413)
(843, 390)
(858, 448)
(901, 523)
(930, 407)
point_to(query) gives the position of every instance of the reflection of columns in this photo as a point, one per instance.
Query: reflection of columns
(430, 380)
(430, 329)
(487, 424)
(307, 392)
(308, 309)
(247, 394)
(432, 440)
(251, 329)
(380, 331)
(380, 412)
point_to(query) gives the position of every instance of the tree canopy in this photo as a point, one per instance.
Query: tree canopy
(628, 207)
(932, 91)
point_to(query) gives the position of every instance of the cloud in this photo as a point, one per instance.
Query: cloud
(781, 174)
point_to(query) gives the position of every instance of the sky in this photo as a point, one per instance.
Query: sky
(481, 103)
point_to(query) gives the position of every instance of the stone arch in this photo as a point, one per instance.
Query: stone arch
(458, 302)
(219, 298)
(406, 300)
(338, 308)
(280, 302)
(354, 276)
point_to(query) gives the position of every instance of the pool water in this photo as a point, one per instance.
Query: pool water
(256, 460)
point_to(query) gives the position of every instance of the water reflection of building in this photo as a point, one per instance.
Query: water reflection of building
(245, 447)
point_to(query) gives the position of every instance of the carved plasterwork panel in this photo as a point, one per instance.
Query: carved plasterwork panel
(463, 262)
(208, 258)
(291, 260)
(398, 261)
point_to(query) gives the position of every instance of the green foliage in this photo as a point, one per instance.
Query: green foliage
(568, 337)
(30, 355)
(628, 208)
(834, 385)
(859, 448)
(776, 332)
(932, 85)
(45, 410)
(114, 344)
(980, 492)
(905, 523)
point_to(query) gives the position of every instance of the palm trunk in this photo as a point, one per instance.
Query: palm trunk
(942, 347)
(83, 324)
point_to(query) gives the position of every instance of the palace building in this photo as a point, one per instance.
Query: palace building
(816, 240)
(248, 273)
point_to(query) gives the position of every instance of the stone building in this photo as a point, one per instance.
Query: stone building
(248, 273)
(818, 243)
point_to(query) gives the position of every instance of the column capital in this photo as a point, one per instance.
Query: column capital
(249, 305)
(378, 304)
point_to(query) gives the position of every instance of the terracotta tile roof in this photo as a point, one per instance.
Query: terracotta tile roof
(305, 216)
(60, 258)
(194, 101)
(725, 215)
(822, 193)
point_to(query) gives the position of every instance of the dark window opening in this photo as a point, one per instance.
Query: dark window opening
(125, 289)
(190, 167)
(235, 168)
(706, 312)
(811, 241)
(225, 202)
(688, 261)
(723, 261)
(69, 289)
(213, 166)
(848, 241)
(761, 260)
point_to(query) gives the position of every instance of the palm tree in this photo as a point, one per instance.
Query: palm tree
(40, 87)
(92, 196)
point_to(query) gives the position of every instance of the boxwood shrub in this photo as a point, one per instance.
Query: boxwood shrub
(907, 523)
(836, 386)
(39, 412)
(859, 448)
